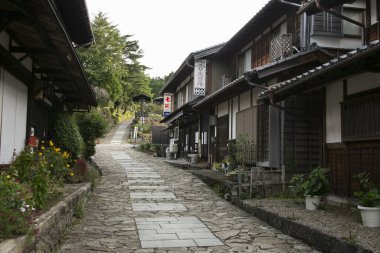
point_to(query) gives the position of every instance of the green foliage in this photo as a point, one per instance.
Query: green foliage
(297, 185)
(316, 184)
(112, 63)
(145, 147)
(91, 126)
(156, 84)
(368, 193)
(15, 207)
(40, 183)
(67, 136)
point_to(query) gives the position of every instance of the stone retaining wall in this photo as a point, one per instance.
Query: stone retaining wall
(311, 236)
(51, 226)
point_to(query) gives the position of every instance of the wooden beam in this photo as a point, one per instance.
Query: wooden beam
(46, 71)
(29, 50)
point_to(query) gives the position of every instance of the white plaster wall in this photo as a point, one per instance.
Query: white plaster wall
(245, 100)
(235, 110)
(223, 109)
(363, 82)
(334, 95)
(13, 116)
(334, 42)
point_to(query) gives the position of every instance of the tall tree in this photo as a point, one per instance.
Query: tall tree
(113, 63)
(156, 84)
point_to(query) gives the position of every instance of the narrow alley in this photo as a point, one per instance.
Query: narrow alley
(143, 204)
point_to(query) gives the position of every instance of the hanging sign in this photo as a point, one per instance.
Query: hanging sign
(167, 104)
(200, 78)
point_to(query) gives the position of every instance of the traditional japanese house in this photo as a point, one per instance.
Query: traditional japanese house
(188, 127)
(350, 123)
(274, 45)
(40, 73)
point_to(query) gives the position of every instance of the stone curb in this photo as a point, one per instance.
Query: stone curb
(50, 225)
(311, 236)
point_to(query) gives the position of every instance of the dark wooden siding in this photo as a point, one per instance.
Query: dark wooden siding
(302, 138)
(246, 124)
(345, 161)
(263, 133)
(361, 118)
(222, 137)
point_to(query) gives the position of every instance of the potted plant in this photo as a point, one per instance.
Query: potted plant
(313, 188)
(369, 200)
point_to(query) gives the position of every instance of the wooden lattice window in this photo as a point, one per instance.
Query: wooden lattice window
(361, 118)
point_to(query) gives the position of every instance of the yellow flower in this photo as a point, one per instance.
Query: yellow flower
(51, 143)
(51, 165)
(68, 165)
(43, 148)
(40, 154)
(71, 174)
(8, 176)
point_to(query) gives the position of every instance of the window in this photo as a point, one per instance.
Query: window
(360, 118)
(176, 133)
(327, 24)
(245, 60)
(349, 28)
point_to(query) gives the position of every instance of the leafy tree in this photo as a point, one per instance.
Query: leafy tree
(156, 84)
(112, 63)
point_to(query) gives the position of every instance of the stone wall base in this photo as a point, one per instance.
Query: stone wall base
(50, 226)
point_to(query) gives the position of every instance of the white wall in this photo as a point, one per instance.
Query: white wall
(334, 95)
(245, 100)
(363, 82)
(13, 116)
(223, 109)
(235, 109)
(334, 42)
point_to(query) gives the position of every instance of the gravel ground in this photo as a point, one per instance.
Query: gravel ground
(339, 222)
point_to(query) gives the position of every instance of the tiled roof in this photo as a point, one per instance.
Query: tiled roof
(323, 69)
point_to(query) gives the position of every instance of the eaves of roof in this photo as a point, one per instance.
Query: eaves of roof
(260, 74)
(350, 63)
(41, 34)
(181, 110)
(272, 11)
(186, 66)
(77, 21)
(311, 8)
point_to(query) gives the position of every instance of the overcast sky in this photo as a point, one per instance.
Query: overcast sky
(168, 30)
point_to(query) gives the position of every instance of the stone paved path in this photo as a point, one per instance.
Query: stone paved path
(143, 204)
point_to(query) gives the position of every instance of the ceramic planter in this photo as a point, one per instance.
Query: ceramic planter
(312, 202)
(370, 216)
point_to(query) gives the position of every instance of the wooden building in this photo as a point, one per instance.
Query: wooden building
(350, 101)
(40, 73)
(188, 127)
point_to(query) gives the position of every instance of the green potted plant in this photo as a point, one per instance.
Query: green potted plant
(313, 188)
(369, 200)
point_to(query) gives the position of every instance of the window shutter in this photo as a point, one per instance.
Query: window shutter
(327, 24)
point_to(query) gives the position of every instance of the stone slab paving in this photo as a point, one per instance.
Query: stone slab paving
(110, 223)
(149, 187)
(159, 206)
(152, 195)
(165, 232)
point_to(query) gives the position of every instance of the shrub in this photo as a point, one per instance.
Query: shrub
(91, 126)
(15, 207)
(368, 194)
(145, 147)
(67, 136)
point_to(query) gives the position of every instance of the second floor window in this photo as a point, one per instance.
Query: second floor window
(350, 29)
(326, 24)
(245, 62)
